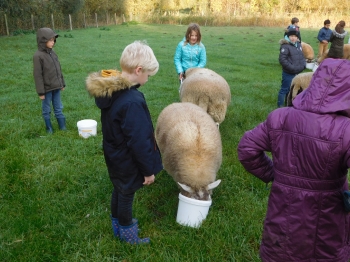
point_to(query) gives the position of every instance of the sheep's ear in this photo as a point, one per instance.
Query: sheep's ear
(214, 184)
(186, 187)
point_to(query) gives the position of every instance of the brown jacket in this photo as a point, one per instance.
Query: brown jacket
(47, 69)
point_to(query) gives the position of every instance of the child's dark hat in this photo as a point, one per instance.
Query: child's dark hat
(292, 31)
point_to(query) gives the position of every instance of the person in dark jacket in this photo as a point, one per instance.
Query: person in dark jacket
(337, 41)
(293, 26)
(324, 35)
(293, 62)
(306, 217)
(48, 77)
(130, 150)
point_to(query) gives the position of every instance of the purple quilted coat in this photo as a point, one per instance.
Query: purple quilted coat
(310, 147)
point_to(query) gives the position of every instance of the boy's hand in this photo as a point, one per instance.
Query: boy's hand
(149, 180)
(62, 88)
(42, 97)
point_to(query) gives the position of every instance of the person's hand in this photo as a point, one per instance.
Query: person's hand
(62, 88)
(181, 76)
(42, 97)
(149, 180)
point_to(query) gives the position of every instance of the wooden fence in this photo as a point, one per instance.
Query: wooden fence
(12, 26)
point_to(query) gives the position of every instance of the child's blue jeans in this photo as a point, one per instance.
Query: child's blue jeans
(285, 87)
(53, 97)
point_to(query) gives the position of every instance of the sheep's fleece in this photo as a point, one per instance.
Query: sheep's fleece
(299, 83)
(190, 144)
(208, 90)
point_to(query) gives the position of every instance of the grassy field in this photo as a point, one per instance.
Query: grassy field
(55, 190)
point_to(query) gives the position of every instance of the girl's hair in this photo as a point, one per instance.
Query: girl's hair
(193, 27)
(139, 54)
(339, 28)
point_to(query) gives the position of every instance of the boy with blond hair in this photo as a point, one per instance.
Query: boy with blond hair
(130, 150)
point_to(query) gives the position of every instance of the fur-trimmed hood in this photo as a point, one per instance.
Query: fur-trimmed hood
(340, 35)
(103, 87)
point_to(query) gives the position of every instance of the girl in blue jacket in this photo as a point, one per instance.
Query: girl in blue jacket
(190, 52)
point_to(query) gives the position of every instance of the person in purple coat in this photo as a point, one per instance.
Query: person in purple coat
(306, 218)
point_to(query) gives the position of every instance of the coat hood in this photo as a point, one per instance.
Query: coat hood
(43, 35)
(329, 89)
(102, 86)
(342, 34)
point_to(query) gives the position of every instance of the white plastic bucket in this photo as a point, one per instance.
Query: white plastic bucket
(191, 212)
(87, 127)
(315, 67)
(310, 65)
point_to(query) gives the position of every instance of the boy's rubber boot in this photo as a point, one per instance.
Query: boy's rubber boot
(129, 234)
(62, 123)
(115, 226)
(48, 125)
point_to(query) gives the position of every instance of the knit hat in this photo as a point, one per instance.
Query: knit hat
(292, 31)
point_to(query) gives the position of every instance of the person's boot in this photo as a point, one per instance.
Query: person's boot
(62, 123)
(115, 226)
(48, 125)
(129, 234)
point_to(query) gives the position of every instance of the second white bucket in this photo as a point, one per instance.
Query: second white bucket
(191, 212)
(87, 127)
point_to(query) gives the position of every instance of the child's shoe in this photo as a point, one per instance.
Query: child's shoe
(129, 234)
(48, 125)
(62, 123)
(115, 226)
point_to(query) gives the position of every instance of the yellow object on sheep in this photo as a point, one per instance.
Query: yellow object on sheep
(108, 73)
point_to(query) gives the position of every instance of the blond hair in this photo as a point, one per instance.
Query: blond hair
(140, 54)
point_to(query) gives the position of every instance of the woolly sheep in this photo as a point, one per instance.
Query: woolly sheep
(191, 149)
(308, 52)
(346, 53)
(208, 90)
(299, 83)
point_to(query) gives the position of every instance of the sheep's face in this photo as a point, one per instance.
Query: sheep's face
(199, 194)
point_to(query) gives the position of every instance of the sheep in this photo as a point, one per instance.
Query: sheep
(299, 83)
(191, 149)
(208, 90)
(308, 52)
(346, 54)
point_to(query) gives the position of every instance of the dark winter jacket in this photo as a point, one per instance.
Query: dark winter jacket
(291, 57)
(337, 44)
(324, 34)
(310, 146)
(47, 69)
(130, 149)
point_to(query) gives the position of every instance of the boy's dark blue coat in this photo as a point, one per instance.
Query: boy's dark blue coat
(130, 149)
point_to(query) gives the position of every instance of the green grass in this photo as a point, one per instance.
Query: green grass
(55, 190)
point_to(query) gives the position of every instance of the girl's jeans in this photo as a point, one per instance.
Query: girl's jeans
(285, 87)
(54, 97)
(121, 207)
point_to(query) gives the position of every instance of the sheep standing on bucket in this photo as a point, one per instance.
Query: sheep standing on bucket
(208, 90)
(299, 83)
(308, 52)
(191, 149)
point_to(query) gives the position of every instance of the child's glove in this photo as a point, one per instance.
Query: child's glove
(108, 73)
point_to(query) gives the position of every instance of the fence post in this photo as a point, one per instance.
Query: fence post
(115, 18)
(70, 22)
(32, 17)
(96, 20)
(52, 22)
(84, 21)
(7, 27)
(123, 18)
